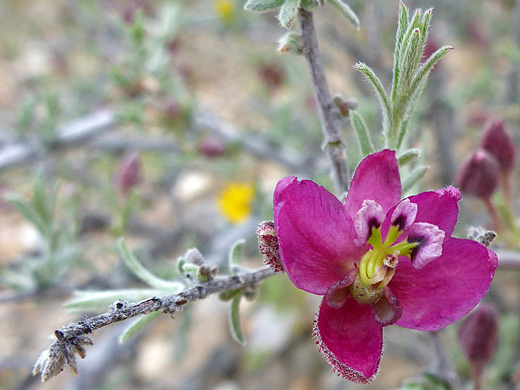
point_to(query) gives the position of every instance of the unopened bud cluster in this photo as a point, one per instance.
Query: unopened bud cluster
(495, 158)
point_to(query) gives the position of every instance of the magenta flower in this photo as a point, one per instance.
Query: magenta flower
(377, 260)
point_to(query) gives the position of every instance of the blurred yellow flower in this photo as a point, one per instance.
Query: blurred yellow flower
(235, 201)
(225, 10)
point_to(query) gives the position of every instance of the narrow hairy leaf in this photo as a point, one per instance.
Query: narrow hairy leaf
(408, 156)
(288, 13)
(402, 26)
(29, 212)
(100, 300)
(235, 255)
(142, 273)
(309, 5)
(412, 25)
(262, 5)
(416, 175)
(234, 322)
(427, 66)
(411, 104)
(363, 136)
(410, 62)
(384, 102)
(346, 12)
(138, 325)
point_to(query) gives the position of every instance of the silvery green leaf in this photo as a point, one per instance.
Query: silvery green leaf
(29, 212)
(399, 37)
(346, 12)
(137, 325)
(309, 5)
(100, 300)
(235, 255)
(384, 101)
(363, 135)
(416, 175)
(142, 273)
(408, 156)
(288, 13)
(262, 5)
(234, 322)
(427, 66)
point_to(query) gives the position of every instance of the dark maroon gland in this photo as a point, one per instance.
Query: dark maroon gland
(128, 174)
(478, 335)
(268, 245)
(497, 141)
(478, 175)
(211, 147)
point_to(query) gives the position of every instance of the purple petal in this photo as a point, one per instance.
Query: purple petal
(404, 214)
(376, 178)
(315, 235)
(351, 340)
(446, 289)
(370, 215)
(438, 208)
(337, 294)
(387, 310)
(429, 239)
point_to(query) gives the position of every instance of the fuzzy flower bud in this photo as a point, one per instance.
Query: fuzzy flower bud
(128, 174)
(498, 142)
(478, 175)
(268, 245)
(211, 147)
(478, 335)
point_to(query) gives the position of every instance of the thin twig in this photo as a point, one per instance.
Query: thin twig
(229, 133)
(330, 117)
(71, 337)
(72, 134)
(508, 260)
(443, 368)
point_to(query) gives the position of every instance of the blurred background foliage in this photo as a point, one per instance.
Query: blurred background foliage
(170, 122)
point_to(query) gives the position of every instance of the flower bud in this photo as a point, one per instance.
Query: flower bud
(128, 174)
(345, 105)
(291, 43)
(478, 175)
(272, 75)
(478, 335)
(498, 142)
(211, 147)
(268, 245)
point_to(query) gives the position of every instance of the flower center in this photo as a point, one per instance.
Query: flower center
(377, 266)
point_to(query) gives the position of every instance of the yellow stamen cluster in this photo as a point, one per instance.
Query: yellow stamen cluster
(378, 264)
